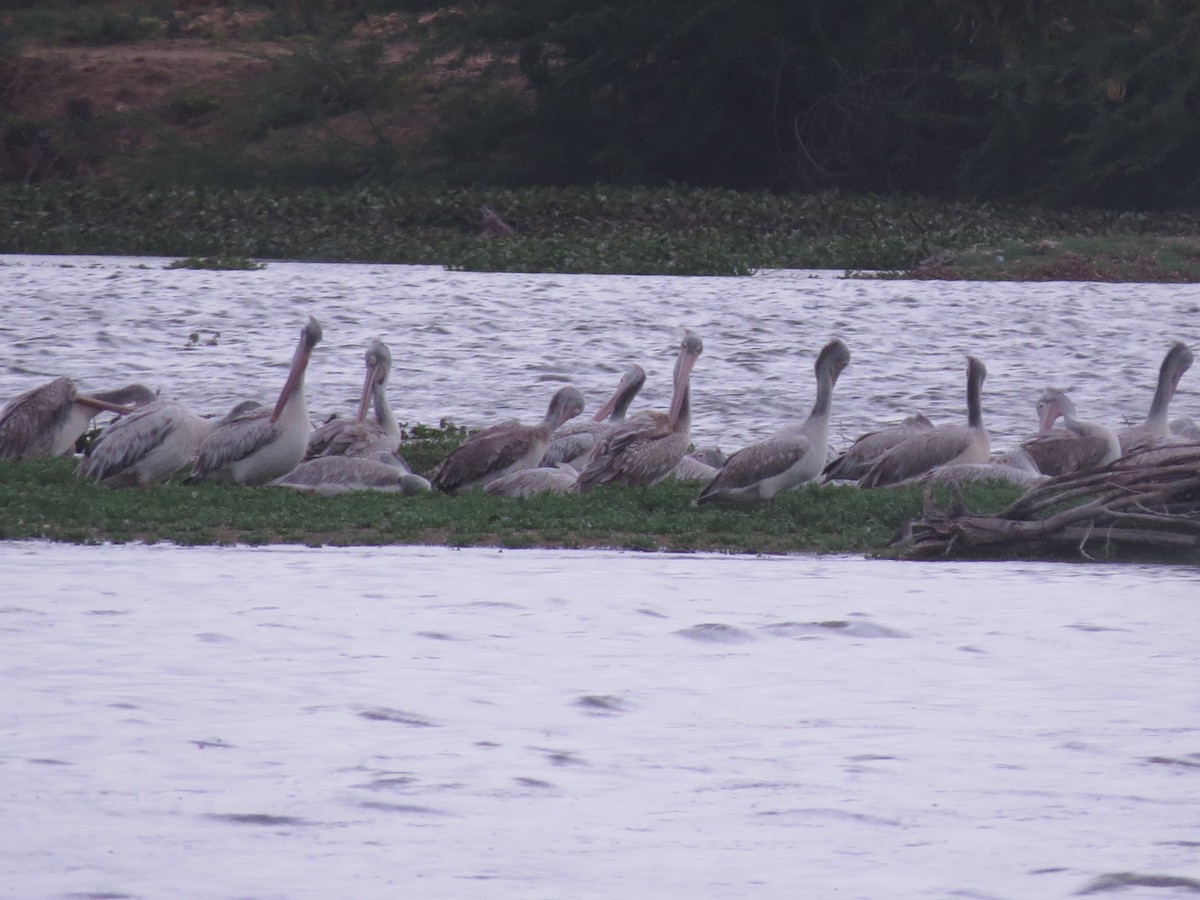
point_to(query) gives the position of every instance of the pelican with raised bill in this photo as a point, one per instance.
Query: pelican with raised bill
(791, 456)
(1079, 447)
(573, 444)
(946, 444)
(361, 436)
(263, 444)
(645, 449)
(504, 448)
(150, 444)
(1157, 427)
(49, 420)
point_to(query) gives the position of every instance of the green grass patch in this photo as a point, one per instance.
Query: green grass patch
(43, 499)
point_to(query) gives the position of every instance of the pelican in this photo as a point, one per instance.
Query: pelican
(557, 479)
(1077, 448)
(150, 444)
(946, 444)
(507, 447)
(1015, 467)
(329, 475)
(791, 456)
(694, 467)
(362, 437)
(48, 420)
(643, 451)
(854, 463)
(1185, 428)
(1156, 428)
(263, 444)
(573, 444)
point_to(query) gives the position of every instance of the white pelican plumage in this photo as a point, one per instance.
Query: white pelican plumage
(361, 436)
(556, 479)
(48, 420)
(1078, 447)
(573, 444)
(1157, 428)
(508, 447)
(263, 444)
(643, 450)
(792, 455)
(329, 475)
(859, 457)
(946, 444)
(150, 444)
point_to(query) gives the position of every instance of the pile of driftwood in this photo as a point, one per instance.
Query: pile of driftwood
(1148, 500)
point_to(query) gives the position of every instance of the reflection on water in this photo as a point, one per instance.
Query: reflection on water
(481, 347)
(298, 723)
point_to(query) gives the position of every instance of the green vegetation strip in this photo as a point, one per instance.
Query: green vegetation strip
(43, 499)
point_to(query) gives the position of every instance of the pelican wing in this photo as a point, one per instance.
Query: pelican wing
(1061, 454)
(572, 442)
(343, 437)
(483, 455)
(854, 463)
(27, 420)
(235, 440)
(919, 454)
(640, 452)
(130, 439)
(558, 479)
(756, 463)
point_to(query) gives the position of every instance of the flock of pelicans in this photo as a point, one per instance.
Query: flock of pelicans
(155, 438)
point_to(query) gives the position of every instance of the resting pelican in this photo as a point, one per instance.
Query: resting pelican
(507, 447)
(362, 437)
(791, 456)
(854, 463)
(1016, 467)
(573, 444)
(557, 479)
(329, 475)
(150, 444)
(946, 444)
(1077, 448)
(48, 420)
(1156, 428)
(1185, 428)
(643, 451)
(263, 444)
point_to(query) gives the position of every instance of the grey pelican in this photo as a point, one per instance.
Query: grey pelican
(507, 447)
(328, 475)
(48, 420)
(556, 479)
(263, 444)
(1077, 448)
(643, 450)
(946, 444)
(362, 437)
(1185, 428)
(150, 444)
(854, 463)
(792, 455)
(1015, 467)
(1157, 428)
(573, 444)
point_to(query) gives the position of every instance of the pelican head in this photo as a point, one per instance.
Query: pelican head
(834, 356)
(566, 404)
(1052, 404)
(628, 388)
(690, 349)
(379, 366)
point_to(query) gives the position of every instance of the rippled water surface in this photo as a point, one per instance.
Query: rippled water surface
(481, 347)
(303, 723)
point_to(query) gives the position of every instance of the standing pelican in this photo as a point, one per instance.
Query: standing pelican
(263, 444)
(1157, 428)
(946, 444)
(48, 420)
(789, 457)
(362, 437)
(573, 444)
(149, 445)
(507, 447)
(854, 463)
(643, 451)
(1077, 448)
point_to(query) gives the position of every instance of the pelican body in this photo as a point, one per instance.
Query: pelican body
(263, 444)
(508, 447)
(940, 446)
(146, 447)
(1157, 428)
(573, 444)
(48, 420)
(329, 475)
(1015, 467)
(557, 479)
(1079, 447)
(644, 450)
(791, 456)
(362, 437)
(854, 463)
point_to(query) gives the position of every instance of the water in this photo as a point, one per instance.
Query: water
(295, 723)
